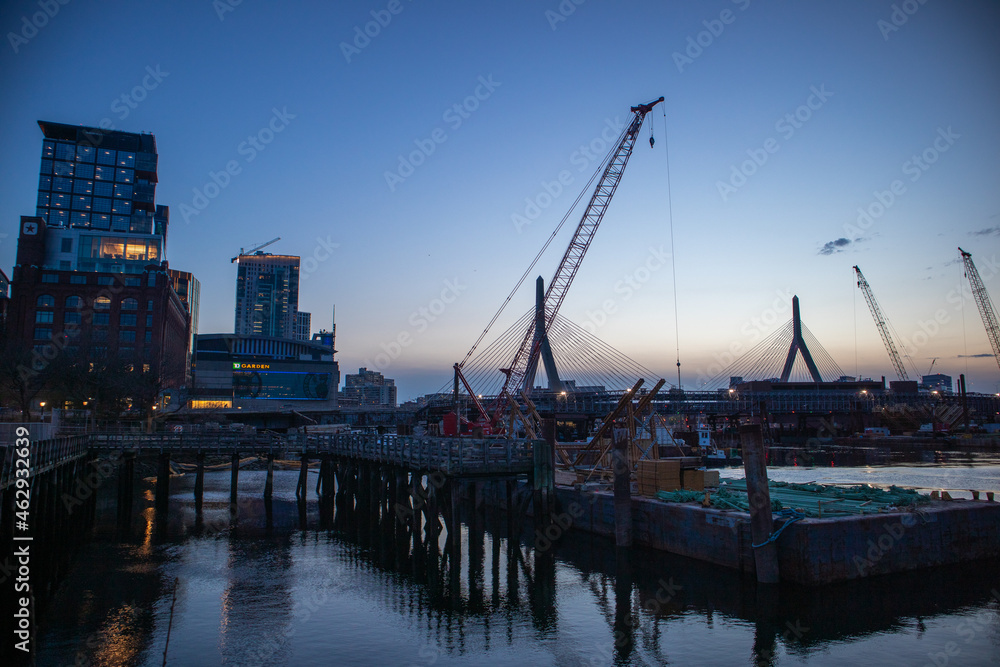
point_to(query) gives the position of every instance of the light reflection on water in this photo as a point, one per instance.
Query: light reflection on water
(275, 594)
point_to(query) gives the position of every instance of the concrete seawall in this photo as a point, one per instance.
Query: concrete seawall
(811, 551)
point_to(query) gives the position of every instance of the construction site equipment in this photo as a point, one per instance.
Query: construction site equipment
(882, 324)
(527, 354)
(254, 249)
(982, 297)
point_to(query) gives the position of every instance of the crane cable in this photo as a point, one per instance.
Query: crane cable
(584, 190)
(673, 255)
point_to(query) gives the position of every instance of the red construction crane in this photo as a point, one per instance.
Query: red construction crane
(527, 355)
(986, 310)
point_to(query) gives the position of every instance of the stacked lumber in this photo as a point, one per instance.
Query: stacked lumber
(663, 475)
(695, 479)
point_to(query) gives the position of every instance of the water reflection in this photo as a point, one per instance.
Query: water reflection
(351, 579)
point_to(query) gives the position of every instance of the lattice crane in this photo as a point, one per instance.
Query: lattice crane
(982, 297)
(254, 249)
(881, 324)
(527, 354)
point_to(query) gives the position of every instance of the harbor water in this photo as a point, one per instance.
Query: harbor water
(275, 588)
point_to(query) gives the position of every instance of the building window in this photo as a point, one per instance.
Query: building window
(130, 304)
(102, 205)
(72, 317)
(102, 189)
(62, 168)
(149, 320)
(45, 301)
(79, 219)
(85, 153)
(126, 352)
(50, 277)
(100, 221)
(126, 159)
(64, 264)
(101, 319)
(84, 171)
(127, 320)
(105, 156)
(126, 336)
(43, 316)
(102, 302)
(99, 335)
(62, 184)
(123, 191)
(103, 174)
(83, 187)
(124, 176)
(78, 280)
(66, 245)
(149, 337)
(43, 333)
(105, 280)
(149, 304)
(133, 281)
(74, 302)
(99, 351)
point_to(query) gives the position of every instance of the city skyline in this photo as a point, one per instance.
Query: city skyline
(417, 168)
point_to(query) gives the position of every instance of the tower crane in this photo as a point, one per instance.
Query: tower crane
(982, 297)
(881, 324)
(527, 354)
(254, 249)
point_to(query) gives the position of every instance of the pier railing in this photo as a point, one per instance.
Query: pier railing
(450, 456)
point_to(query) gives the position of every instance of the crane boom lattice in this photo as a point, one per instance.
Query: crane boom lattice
(881, 324)
(527, 354)
(982, 297)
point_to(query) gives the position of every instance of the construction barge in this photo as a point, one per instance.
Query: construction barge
(805, 534)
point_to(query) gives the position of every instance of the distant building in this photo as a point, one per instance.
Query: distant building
(937, 382)
(267, 296)
(262, 373)
(303, 325)
(369, 388)
(188, 288)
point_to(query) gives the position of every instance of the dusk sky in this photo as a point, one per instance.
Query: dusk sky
(804, 138)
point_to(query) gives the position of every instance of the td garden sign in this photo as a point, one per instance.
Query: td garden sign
(237, 366)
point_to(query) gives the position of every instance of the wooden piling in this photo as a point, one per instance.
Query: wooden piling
(269, 482)
(301, 488)
(623, 489)
(163, 483)
(234, 479)
(199, 483)
(761, 521)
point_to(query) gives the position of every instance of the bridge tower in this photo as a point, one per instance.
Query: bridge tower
(798, 345)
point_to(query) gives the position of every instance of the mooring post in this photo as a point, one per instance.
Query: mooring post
(269, 481)
(234, 480)
(199, 482)
(623, 488)
(761, 521)
(163, 482)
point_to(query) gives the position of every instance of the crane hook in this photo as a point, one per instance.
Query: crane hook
(651, 141)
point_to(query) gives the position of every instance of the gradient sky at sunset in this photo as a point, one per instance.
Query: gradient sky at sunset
(804, 138)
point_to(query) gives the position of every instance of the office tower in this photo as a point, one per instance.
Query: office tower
(267, 295)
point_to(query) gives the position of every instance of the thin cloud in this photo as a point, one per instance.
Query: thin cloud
(837, 245)
(989, 231)
(983, 355)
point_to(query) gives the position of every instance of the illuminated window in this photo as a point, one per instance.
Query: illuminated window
(135, 250)
(130, 304)
(112, 247)
(102, 303)
(45, 301)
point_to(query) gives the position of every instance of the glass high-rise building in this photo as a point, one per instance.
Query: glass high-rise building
(96, 193)
(267, 295)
